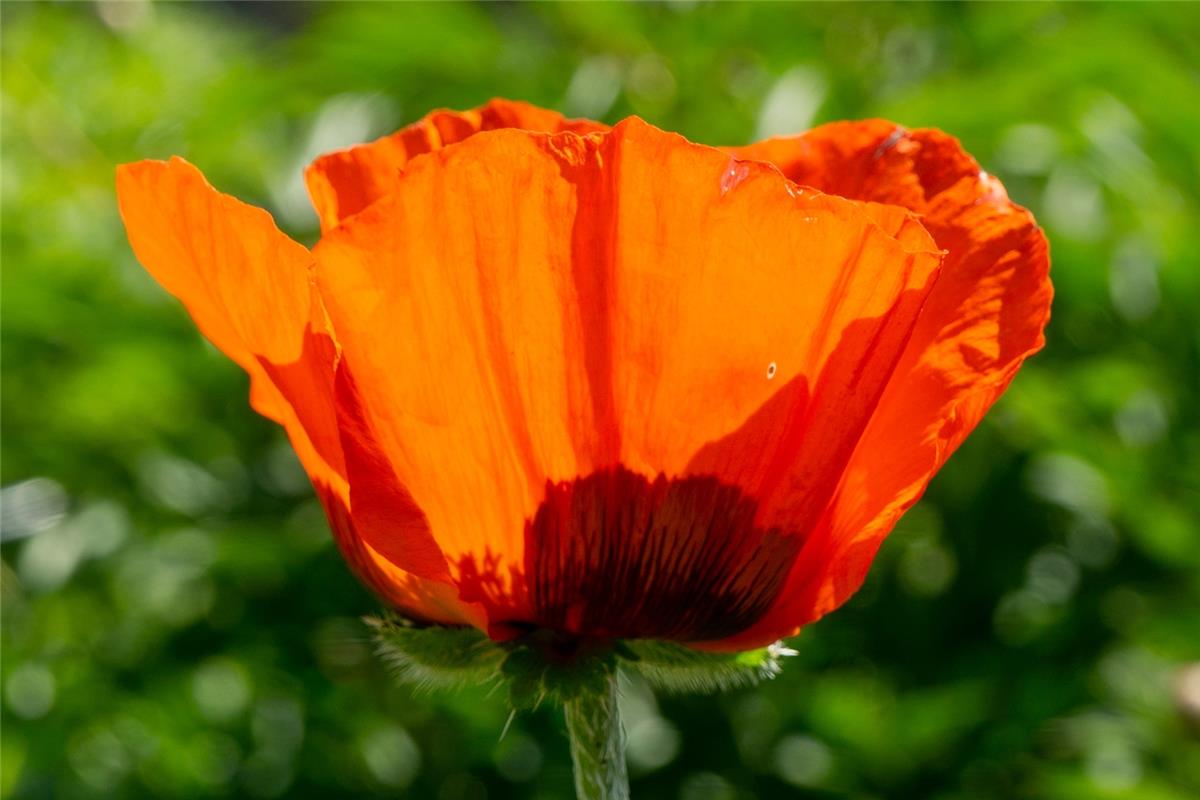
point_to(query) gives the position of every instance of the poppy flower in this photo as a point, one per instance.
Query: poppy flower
(549, 374)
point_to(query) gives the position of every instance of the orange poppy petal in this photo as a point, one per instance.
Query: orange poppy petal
(984, 316)
(384, 512)
(435, 601)
(526, 309)
(347, 181)
(790, 453)
(249, 289)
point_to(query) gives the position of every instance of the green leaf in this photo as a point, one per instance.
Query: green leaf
(676, 668)
(436, 656)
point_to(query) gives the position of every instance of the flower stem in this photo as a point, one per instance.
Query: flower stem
(598, 743)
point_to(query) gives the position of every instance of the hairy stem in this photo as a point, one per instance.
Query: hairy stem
(598, 743)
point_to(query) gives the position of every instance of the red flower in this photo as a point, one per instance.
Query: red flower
(544, 373)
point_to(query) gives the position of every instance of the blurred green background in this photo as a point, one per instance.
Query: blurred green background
(177, 623)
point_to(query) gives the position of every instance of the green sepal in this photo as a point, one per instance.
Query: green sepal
(545, 666)
(579, 675)
(538, 668)
(678, 669)
(436, 657)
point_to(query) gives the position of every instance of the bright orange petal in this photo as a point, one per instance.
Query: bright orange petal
(250, 290)
(527, 309)
(383, 509)
(984, 316)
(418, 598)
(347, 181)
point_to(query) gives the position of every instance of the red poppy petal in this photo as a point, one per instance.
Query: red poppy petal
(528, 309)
(347, 181)
(984, 316)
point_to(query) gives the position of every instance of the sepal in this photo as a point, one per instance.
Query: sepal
(674, 668)
(436, 657)
(544, 666)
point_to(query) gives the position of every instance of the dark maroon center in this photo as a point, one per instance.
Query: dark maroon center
(616, 555)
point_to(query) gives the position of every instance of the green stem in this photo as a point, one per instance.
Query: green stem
(598, 743)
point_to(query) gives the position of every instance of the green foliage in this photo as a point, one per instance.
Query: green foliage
(177, 623)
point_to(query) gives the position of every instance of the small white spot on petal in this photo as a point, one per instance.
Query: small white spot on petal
(735, 172)
(771, 370)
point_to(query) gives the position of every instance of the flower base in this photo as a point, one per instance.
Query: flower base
(580, 675)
